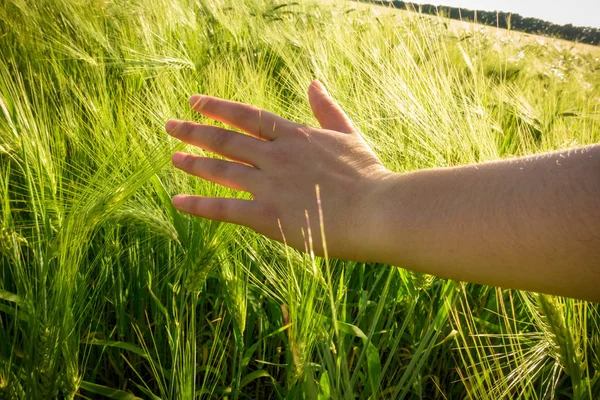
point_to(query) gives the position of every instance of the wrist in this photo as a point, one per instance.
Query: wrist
(381, 216)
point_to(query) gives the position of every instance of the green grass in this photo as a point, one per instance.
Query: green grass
(107, 292)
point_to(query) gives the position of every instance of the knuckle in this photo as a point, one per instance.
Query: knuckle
(196, 164)
(220, 138)
(194, 131)
(187, 162)
(194, 206)
(248, 112)
(182, 130)
(328, 110)
(205, 103)
(302, 131)
(220, 168)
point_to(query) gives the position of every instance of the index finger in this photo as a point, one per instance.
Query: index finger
(255, 121)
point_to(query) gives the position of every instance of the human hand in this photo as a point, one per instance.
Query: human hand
(280, 163)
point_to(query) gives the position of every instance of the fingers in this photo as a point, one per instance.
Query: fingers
(230, 174)
(327, 111)
(242, 212)
(259, 123)
(230, 144)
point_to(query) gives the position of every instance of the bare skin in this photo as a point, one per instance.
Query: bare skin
(531, 223)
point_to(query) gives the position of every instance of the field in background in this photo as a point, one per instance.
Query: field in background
(458, 27)
(500, 19)
(107, 292)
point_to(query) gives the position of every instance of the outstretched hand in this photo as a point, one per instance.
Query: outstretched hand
(280, 163)
(529, 223)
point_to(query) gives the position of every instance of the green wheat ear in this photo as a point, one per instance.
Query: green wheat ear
(70, 378)
(10, 386)
(45, 370)
(566, 345)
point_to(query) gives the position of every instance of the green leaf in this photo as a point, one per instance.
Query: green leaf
(373, 361)
(13, 298)
(351, 329)
(261, 373)
(324, 387)
(373, 366)
(148, 393)
(105, 391)
(14, 312)
(120, 345)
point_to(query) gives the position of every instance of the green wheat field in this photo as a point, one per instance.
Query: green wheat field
(107, 292)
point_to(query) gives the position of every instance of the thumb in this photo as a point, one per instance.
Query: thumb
(328, 112)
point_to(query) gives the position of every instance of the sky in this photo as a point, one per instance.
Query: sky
(576, 12)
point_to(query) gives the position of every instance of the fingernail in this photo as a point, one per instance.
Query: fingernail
(195, 100)
(171, 125)
(178, 200)
(177, 158)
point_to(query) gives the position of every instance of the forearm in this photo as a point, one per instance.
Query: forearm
(531, 223)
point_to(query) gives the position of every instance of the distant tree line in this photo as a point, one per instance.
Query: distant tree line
(503, 20)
